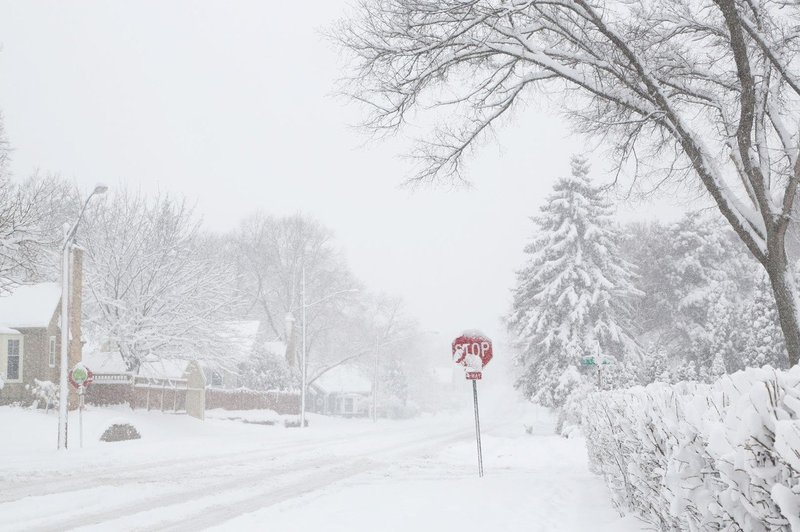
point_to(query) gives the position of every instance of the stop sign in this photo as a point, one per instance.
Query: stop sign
(472, 347)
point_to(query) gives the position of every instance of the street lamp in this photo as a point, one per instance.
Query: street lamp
(304, 374)
(69, 237)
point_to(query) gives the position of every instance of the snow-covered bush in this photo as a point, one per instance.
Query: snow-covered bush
(691, 456)
(45, 394)
(120, 431)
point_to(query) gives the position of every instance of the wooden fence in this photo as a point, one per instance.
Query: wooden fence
(169, 395)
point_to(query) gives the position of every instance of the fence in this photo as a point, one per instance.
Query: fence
(138, 392)
(244, 399)
(170, 395)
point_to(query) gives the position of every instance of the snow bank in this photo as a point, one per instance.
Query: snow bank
(690, 456)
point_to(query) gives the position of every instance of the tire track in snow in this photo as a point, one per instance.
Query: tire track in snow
(199, 506)
(146, 471)
(221, 513)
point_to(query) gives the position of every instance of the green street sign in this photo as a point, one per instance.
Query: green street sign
(588, 361)
(80, 376)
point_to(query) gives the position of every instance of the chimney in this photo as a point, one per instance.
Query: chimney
(76, 307)
(75, 352)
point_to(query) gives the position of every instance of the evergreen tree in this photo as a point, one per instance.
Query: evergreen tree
(696, 276)
(763, 342)
(653, 367)
(572, 298)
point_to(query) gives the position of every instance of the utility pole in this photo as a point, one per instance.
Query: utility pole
(304, 375)
(63, 392)
(375, 380)
(304, 369)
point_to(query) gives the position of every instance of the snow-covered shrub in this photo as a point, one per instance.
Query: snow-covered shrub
(45, 394)
(120, 431)
(693, 456)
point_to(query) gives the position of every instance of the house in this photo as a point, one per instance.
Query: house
(243, 339)
(341, 391)
(30, 334)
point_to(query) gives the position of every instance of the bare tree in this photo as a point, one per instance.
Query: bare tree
(152, 289)
(271, 254)
(30, 228)
(699, 89)
(30, 222)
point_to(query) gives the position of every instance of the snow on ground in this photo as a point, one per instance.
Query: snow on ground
(338, 474)
(531, 483)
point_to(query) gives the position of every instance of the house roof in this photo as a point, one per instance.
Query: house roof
(276, 348)
(154, 367)
(30, 306)
(344, 379)
(104, 361)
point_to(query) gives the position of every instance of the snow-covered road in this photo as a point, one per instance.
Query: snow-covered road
(336, 475)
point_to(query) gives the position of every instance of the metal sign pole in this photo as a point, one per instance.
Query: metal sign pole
(81, 390)
(477, 427)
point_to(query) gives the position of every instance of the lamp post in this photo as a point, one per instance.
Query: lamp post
(304, 370)
(69, 237)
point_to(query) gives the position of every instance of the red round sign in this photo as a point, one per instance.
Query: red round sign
(472, 348)
(80, 376)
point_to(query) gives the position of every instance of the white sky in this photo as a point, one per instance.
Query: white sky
(229, 104)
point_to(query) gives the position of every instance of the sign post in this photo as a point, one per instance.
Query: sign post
(597, 362)
(473, 350)
(80, 377)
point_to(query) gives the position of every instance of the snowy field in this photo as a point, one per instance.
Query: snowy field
(337, 475)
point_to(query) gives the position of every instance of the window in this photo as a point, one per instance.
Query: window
(216, 378)
(348, 405)
(13, 369)
(52, 358)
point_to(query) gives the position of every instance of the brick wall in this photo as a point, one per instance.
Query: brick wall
(280, 402)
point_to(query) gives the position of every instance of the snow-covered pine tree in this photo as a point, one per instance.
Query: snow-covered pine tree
(654, 365)
(572, 297)
(763, 339)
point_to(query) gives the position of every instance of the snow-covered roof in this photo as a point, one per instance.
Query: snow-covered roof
(153, 367)
(104, 361)
(344, 379)
(242, 336)
(30, 306)
(276, 348)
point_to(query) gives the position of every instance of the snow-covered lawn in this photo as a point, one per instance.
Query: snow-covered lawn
(338, 474)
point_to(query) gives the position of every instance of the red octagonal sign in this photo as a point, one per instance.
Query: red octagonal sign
(471, 349)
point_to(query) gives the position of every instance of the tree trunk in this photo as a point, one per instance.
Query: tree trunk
(783, 287)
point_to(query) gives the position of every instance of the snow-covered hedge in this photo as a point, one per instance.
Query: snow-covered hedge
(689, 456)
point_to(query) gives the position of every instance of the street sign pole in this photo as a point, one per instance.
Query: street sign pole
(80, 377)
(477, 427)
(473, 350)
(81, 391)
